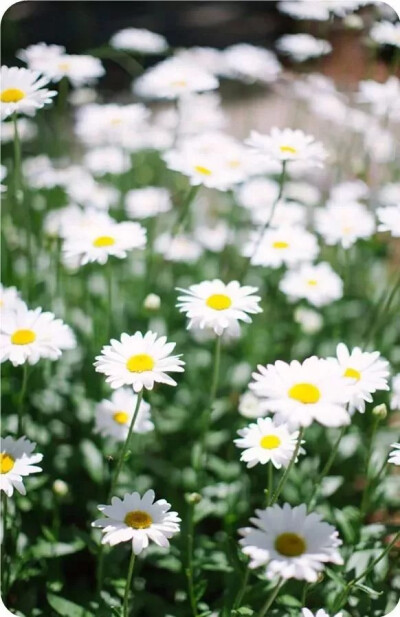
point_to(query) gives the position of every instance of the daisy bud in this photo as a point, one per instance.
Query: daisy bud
(60, 488)
(353, 22)
(152, 302)
(193, 498)
(380, 411)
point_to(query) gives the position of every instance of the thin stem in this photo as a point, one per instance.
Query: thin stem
(4, 502)
(217, 364)
(381, 308)
(189, 569)
(285, 475)
(184, 210)
(17, 160)
(242, 589)
(326, 468)
(365, 495)
(109, 298)
(20, 426)
(125, 611)
(270, 486)
(271, 599)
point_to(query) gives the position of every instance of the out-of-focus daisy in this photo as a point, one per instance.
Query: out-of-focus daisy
(351, 190)
(290, 543)
(266, 441)
(80, 70)
(386, 33)
(104, 239)
(344, 223)
(384, 98)
(302, 192)
(208, 58)
(282, 246)
(302, 392)
(250, 63)
(288, 145)
(309, 320)
(91, 194)
(394, 456)
(318, 284)
(389, 194)
(147, 202)
(250, 406)
(139, 361)
(23, 91)
(256, 193)
(301, 47)
(214, 304)
(3, 176)
(109, 124)
(114, 415)
(139, 40)
(180, 248)
(320, 613)
(138, 519)
(283, 215)
(305, 9)
(27, 336)
(26, 130)
(172, 79)
(364, 373)
(395, 395)
(107, 160)
(10, 299)
(17, 461)
(389, 220)
(38, 55)
(213, 236)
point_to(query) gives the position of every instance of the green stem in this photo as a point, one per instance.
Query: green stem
(109, 298)
(4, 503)
(217, 364)
(380, 309)
(17, 160)
(285, 475)
(270, 488)
(125, 611)
(271, 599)
(326, 468)
(185, 210)
(365, 495)
(20, 426)
(242, 589)
(189, 569)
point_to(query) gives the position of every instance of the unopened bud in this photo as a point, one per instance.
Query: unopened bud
(353, 22)
(380, 411)
(60, 488)
(193, 498)
(152, 302)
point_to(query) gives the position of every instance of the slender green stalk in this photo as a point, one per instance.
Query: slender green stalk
(109, 297)
(242, 589)
(189, 569)
(125, 611)
(4, 568)
(286, 473)
(185, 210)
(20, 426)
(381, 308)
(271, 599)
(217, 364)
(365, 495)
(326, 468)
(17, 160)
(270, 486)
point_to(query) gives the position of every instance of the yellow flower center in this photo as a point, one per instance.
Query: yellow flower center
(64, 66)
(203, 170)
(138, 519)
(288, 149)
(179, 83)
(103, 241)
(234, 164)
(23, 337)
(280, 244)
(121, 417)
(116, 121)
(270, 442)
(6, 462)
(12, 95)
(312, 282)
(139, 363)
(219, 302)
(305, 393)
(352, 373)
(290, 544)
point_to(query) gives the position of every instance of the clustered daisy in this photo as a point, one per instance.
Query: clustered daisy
(17, 461)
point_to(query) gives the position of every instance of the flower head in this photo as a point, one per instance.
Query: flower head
(389, 220)
(344, 223)
(23, 91)
(140, 40)
(301, 47)
(318, 284)
(16, 461)
(114, 415)
(394, 456)
(285, 245)
(288, 145)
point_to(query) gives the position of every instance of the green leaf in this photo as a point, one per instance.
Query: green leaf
(289, 601)
(92, 460)
(49, 550)
(66, 608)
(243, 611)
(368, 590)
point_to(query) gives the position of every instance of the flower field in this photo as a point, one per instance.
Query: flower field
(199, 334)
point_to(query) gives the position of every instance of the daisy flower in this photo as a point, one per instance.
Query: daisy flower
(139, 40)
(384, 98)
(318, 284)
(283, 246)
(139, 361)
(26, 130)
(113, 416)
(97, 125)
(16, 461)
(180, 248)
(98, 243)
(38, 55)
(310, 321)
(250, 63)
(290, 543)
(320, 613)
(301, 47)
(288, 145)
(304, 9)
(23, 91)
(394, 456)
(389, 194)
(80, 70)
(147, 202)
(364, 373)
(107, 160)
(10, 299)
(138, 519)
(266, 441)
(395, 397)
(386, 33)
(216, 305)
(28, 335)
(389, 219)
(250, 406)
(303, 392)
(344, 224)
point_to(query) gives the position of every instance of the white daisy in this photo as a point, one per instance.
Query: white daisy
(283, 246)
(27, 336)
(250, 406)
(26, 130)
(97, 125)
(302, 392)
(389, 194)
(139, 361)
(216, 305)
(147, 202)
(80, 70)
(180, 248)
(102, 240)
(386, 33)
(107, 160)
(290, 543)
(38, 55)
(250, 63)
(320, 613)
(114, 415)
(16, 461)
(140, 40)
(395, 394)
(364, 373)
(266, 441)
(389, 220)
(288, 145)
(301, 47)
(310, 321)
(394, 456)
(384, 98)
(138, 519)
(344, 224)
(10, 299)
(305, 9)
(351, 190)
(283, 214)
(318, 284)
(23, 91)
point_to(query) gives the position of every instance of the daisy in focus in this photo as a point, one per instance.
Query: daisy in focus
(266, 441)
(288, 145)
(394, 456)
(17, 461)
(138, 520)
(216, 305)
(289, 543)
(23, 91)
(139, 361)
(282, 246)
(364, 373)
(29, 335)
(300, 393)
(114, 415)
(318, 284)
